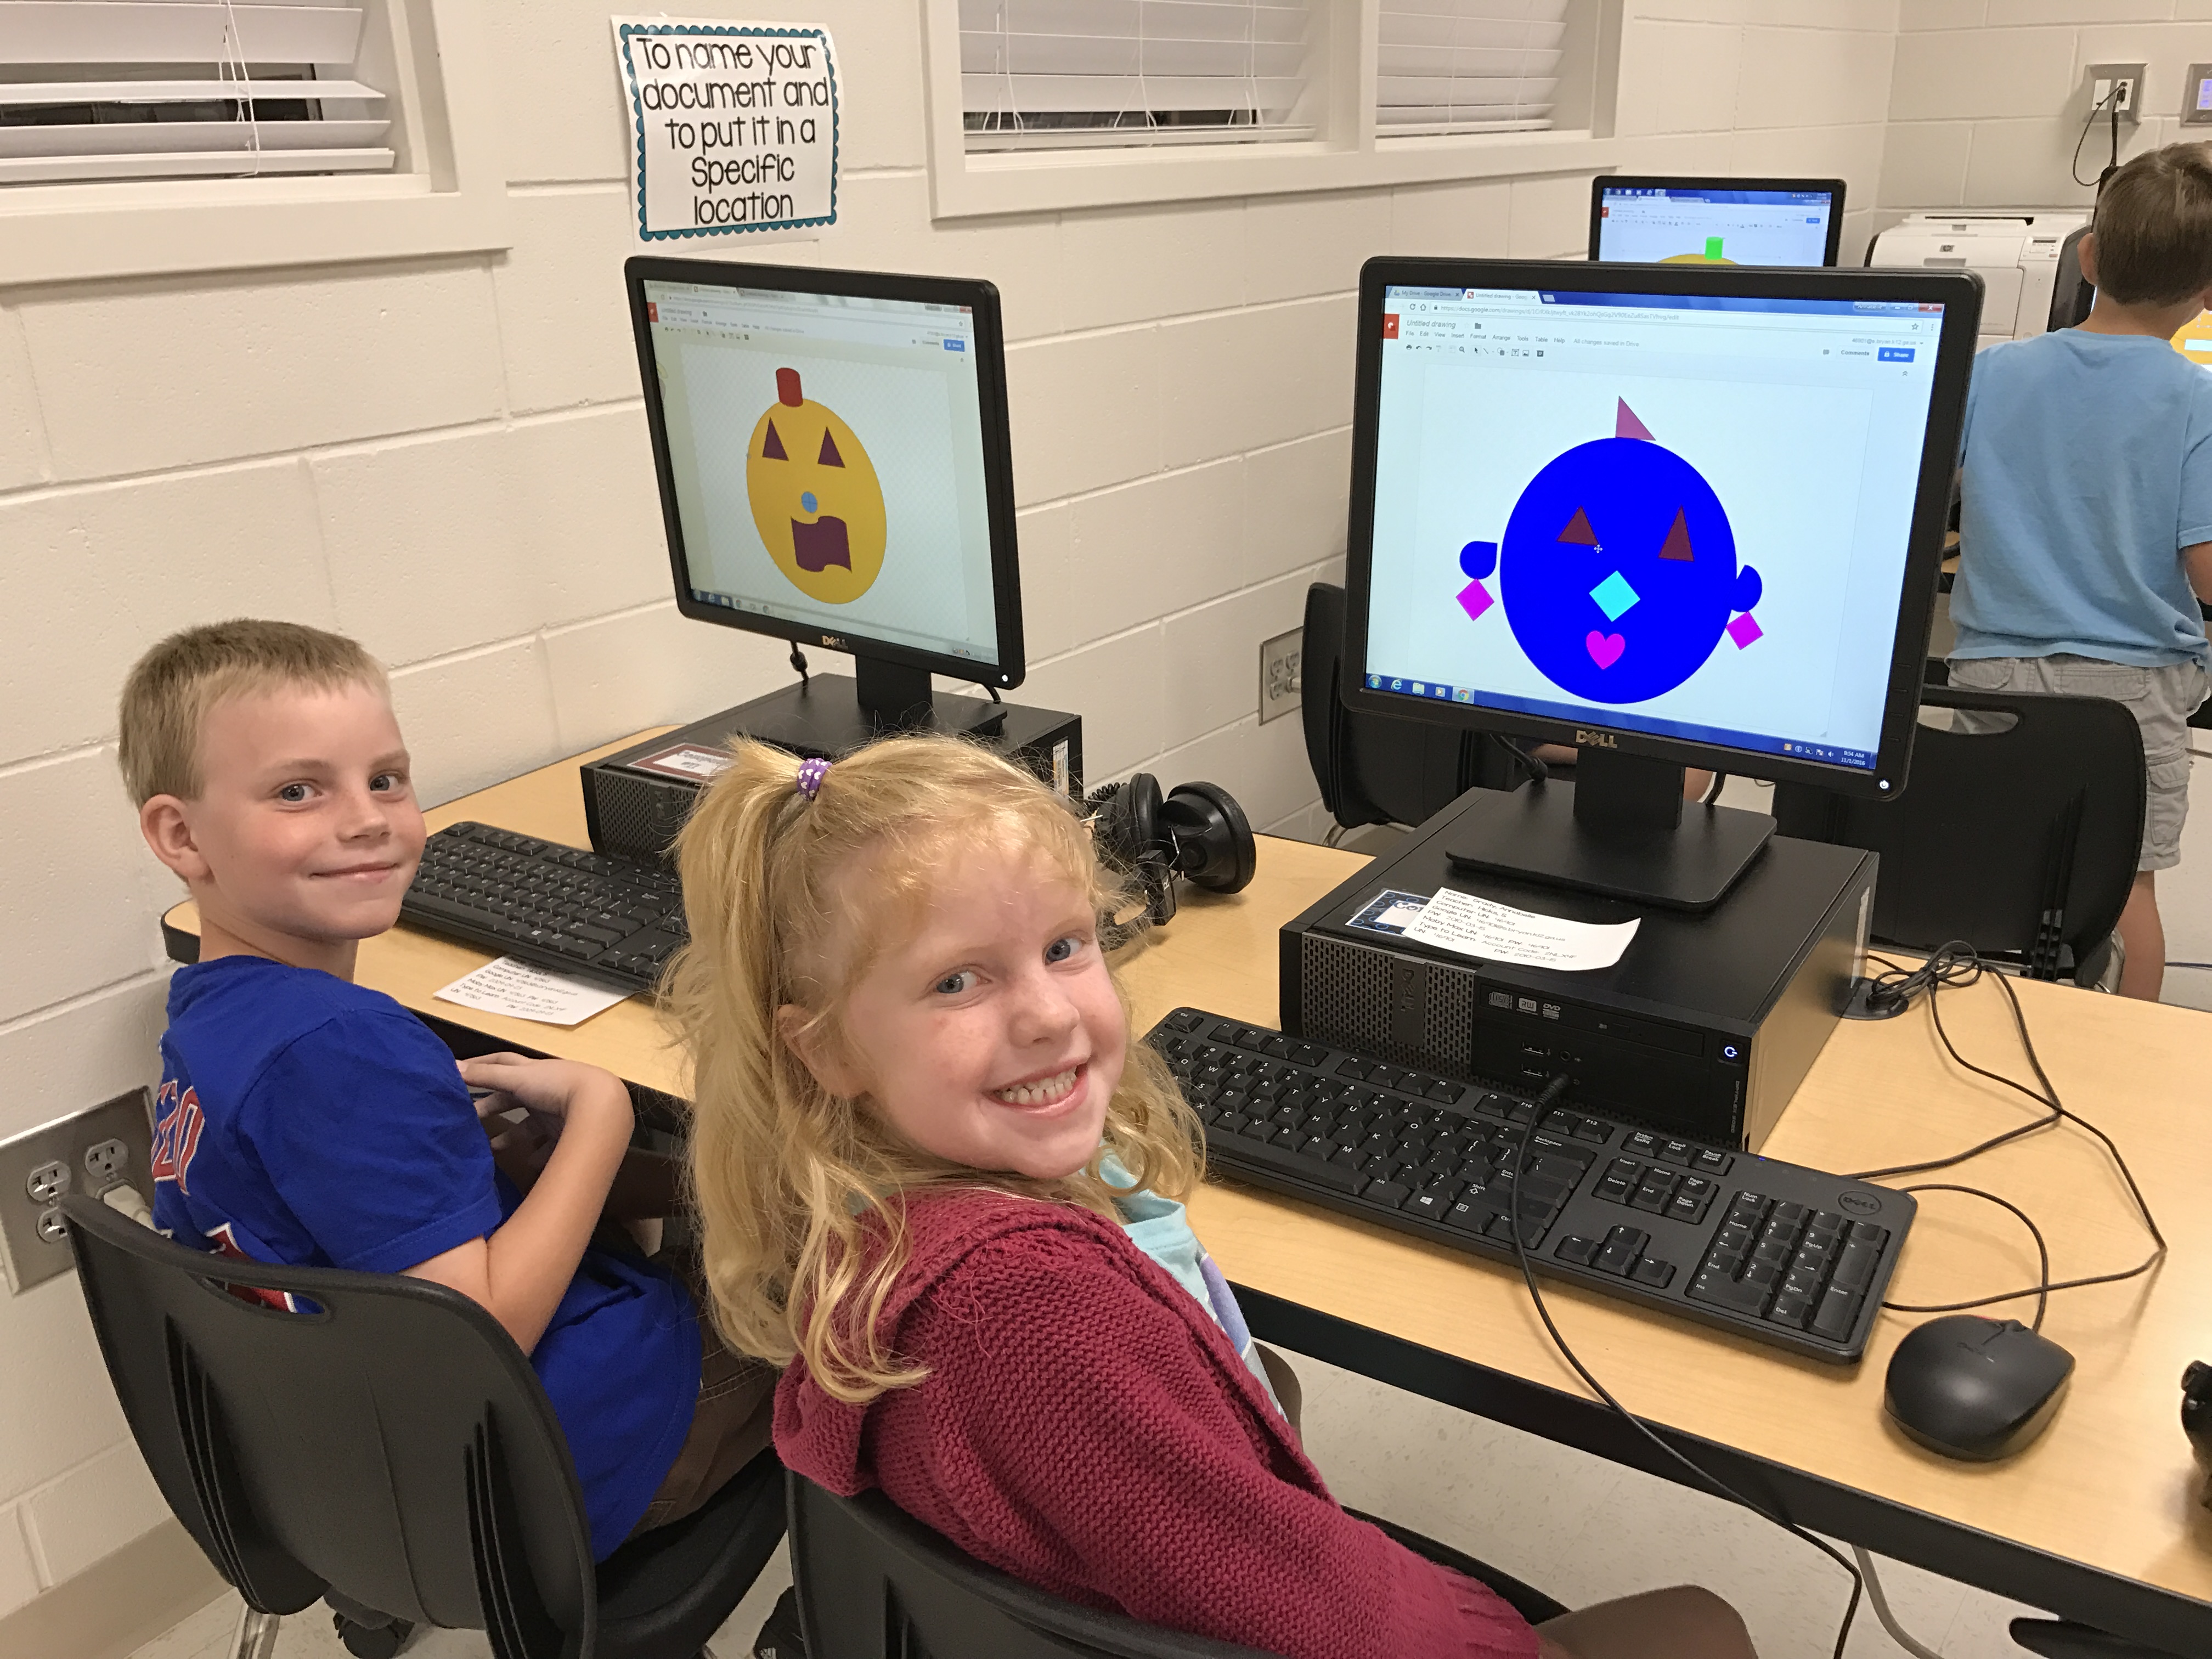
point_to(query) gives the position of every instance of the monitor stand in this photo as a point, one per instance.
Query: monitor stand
(1620, 829)
(828, 715)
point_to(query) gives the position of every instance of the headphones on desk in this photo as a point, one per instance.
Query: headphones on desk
(1197, 831)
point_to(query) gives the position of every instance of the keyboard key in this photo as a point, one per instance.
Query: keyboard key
(1433, 1203)
(1713, 1163)
(1740, 1295)
(1614, 1189)
(1448, 1093)
(1237, 1149)
(1590, 1129)
(1855, 1267)
(1837, 1310)
(1685, 1206)
(1643, 1144)
(1675, 1151)
(1790, 1311)
(1622, 1246)
(1388, 1193)
(1578, 1251)
(1470, 1215)
(1791, 1215)
(1865, 1232)
(1354, 1068)
(1653, 1272)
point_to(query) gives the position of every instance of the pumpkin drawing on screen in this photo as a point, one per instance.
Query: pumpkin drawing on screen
(815, 498)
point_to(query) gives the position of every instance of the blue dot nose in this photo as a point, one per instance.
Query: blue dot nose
(807, 502)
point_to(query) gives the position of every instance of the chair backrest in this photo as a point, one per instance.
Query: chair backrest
(2016, 840)
(388, 1441)
(875, 1584)
(1373, 769)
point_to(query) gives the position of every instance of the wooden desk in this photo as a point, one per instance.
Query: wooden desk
(2097, 1520)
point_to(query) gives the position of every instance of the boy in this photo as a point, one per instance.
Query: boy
(2085, 531)
(304, 1119)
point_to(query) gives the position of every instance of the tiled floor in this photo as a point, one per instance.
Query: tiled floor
(1580, 1528)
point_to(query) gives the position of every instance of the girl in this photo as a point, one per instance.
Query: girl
(922, 1133)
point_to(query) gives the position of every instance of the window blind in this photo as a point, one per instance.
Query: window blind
(184, 88)
(1467, 65)
(1041, 74)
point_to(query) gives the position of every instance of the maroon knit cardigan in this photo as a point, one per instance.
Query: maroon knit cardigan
(1085, 1427)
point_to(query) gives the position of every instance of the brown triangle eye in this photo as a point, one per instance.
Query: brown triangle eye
(1677, 544)
(1578, 531)
(772, 448)
(830, 457)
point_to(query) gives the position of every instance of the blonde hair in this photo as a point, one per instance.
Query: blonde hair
(789, 899)
(171, 689)
(2153, 226)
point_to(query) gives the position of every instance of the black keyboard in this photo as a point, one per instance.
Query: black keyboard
(1772, 1251)
(578, 913)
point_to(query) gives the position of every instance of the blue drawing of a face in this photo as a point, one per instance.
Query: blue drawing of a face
(1619, 572)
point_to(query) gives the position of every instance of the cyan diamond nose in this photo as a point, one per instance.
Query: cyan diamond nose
(1614, 596)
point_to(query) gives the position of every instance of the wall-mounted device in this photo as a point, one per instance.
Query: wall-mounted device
(2197, 96)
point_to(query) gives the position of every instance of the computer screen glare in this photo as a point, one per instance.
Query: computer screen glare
(1679, 516)
(826, 453)
(1650, 226)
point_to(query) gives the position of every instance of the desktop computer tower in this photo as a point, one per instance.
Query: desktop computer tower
(635, 800)
(1704, 1027)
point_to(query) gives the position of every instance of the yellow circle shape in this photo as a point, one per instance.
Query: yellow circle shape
(816, 500)
(1693, 259)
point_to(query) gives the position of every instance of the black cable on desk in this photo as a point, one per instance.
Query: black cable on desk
(1954, 967)
(1552, 1091)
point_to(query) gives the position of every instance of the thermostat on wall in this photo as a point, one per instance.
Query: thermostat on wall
(2197, 96)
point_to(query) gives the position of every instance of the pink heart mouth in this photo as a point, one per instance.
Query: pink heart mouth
(1605, 649)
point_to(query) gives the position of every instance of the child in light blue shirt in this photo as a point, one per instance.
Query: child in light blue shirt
(2085, 532)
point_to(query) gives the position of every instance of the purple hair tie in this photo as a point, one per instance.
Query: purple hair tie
(811, 773)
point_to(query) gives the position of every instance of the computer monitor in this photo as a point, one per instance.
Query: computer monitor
(1717, 221)
(1684, 515)
(832, 453)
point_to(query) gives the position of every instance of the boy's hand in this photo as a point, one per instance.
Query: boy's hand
(550, 1088)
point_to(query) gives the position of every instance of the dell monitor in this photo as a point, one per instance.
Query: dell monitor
(834, 467)
(1683, 515)
(1715, 222)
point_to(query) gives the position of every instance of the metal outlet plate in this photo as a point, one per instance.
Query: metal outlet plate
(2104, 74)
(1282, 674)
(106, 1146)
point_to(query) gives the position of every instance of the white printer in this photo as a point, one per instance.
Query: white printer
(2016, 251)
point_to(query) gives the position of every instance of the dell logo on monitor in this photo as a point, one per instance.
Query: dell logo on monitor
(835, 642)
(1595, 739)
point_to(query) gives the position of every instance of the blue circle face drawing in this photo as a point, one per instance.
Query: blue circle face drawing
(1618, 571)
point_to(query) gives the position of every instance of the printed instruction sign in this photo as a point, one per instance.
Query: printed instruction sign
(733, 126)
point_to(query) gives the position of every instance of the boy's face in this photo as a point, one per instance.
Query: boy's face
(992, 1037)
(306, 832)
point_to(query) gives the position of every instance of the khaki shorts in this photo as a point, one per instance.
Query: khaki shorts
(2160, 699)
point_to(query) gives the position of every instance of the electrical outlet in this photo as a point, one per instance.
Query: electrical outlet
(2120, 82)
(92, 1151)
(1282, 674)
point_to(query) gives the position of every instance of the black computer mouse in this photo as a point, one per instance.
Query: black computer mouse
(1975, 1388)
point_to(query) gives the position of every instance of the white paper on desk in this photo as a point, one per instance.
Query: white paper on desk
(1499, 933)
(522, 991)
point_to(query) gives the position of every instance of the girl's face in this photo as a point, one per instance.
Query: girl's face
(991, 1037)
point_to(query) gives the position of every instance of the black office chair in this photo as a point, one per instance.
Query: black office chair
(1373, 769)
(389, 1448)
(2022, 840)
(875, 1584)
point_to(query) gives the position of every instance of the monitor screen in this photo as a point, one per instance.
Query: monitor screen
(1678, 515)
(827, 458)
(1729, 222)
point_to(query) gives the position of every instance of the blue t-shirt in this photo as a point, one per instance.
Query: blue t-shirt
(2085, 468)
(305, 1121)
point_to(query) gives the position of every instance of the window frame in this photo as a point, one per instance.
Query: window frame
(450, 198)
(1350, 154)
